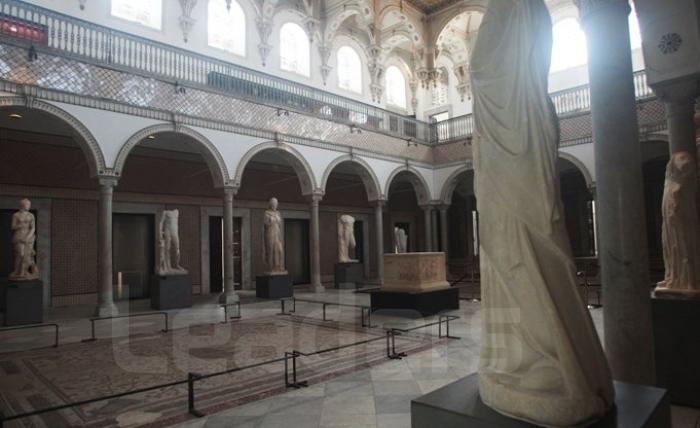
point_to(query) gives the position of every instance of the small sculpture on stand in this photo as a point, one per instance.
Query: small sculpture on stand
(273, 249)
(680, 234)
(346, 238)
(23, 239)
(400, 241)
(169, 243)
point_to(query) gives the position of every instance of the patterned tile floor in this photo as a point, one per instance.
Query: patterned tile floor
(376, 397)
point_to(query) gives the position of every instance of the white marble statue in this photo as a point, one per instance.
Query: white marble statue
(169, 244)
(400, 241)
(23, 239)
(346, 238)
(680, 228)
(273, 248)
(541, 358)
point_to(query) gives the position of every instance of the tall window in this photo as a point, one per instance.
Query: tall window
(226, 28)
(144, 12)
(294, 49)
(569, 49)
(438, 93)
(349, 70)
(395, 87)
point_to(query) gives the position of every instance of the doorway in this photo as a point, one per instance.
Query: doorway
(296, 250)
(216, 254)
(133, 255)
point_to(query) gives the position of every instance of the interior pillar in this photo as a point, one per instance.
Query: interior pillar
(316, 284)
(629, 341)
(379, 226)
(427, 215)
(444, 235)
(229, 294)
(105, 294)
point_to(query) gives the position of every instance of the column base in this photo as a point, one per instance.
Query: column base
(229, 298)
(104, 311)
(318, 288)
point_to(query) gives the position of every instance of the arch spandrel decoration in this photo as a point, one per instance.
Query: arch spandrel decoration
(420, 186)
(362, 168)
(291, 155)
(211, 155)
(84, 138)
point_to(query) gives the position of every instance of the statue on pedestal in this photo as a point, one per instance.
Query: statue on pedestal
(23, 239)
(273, 249)
(346, 238)
(541, 358)
(680, 234)
(169, 244)
(400, 241)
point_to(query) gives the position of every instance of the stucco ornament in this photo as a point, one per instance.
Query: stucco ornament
(273, 248)
(346, 238)
(541, 359)
(680, 234)
(23, 239)
(169, 244)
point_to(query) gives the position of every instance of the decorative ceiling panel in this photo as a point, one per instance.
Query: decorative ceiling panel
(430, 6)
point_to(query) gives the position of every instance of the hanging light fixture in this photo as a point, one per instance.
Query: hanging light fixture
(228, 5)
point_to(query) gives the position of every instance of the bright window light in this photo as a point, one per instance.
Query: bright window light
(226, 29)
(144, 12)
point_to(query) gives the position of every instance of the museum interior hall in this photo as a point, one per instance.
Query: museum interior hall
(349, 214)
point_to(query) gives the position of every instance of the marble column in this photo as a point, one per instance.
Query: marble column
(624, 260)
(428, 221)
(434, 230)
(679, 98)
(315, 245)
(105, 294)
(444, 236)
(379, 230)
(229, 294)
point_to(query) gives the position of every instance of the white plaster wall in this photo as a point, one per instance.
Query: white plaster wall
(441, 177)
(585, 154)
(232, 147)
(383, 169)
(111, 130)
(318, 159)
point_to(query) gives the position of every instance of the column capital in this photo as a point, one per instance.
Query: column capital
(230, 190)
(590, 8)
(681, 92)
(443, 206)
(107, 180)
(315, 197)
(378, 203)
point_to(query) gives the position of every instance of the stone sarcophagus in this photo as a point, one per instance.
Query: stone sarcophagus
(414, 272)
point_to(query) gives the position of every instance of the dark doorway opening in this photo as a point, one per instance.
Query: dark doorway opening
(133, 255)
(359, 233)
(296, 250)
(216, 254)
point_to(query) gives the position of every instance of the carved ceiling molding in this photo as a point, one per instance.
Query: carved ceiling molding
(186, 20)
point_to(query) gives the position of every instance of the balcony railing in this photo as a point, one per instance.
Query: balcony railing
(25, 24)
(568, 102)
(104, 46)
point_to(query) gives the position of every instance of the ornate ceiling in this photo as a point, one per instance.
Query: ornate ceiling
(429, 6)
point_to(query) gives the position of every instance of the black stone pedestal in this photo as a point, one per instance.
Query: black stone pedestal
(171, 292)
(348, 275)
(273, 286)
(677, 348)
(22, 302)
(425, 302)
(458, 405)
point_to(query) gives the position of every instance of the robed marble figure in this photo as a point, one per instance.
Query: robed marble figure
(541, 359)
(680, 234)
(169, 243)
(23, 239)
(273, 247)
(400, 241)
(346, 238)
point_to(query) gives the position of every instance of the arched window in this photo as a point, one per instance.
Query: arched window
(395, 87)
(144, 12)
(569, 49)
(226, 27)
(294, 49)
(349, 69)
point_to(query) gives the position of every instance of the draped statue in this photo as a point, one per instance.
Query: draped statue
(23, 239)
(273, 248)
(680, 234)
(400, 241)
(541, 358)
(346, 238)
(169, 242)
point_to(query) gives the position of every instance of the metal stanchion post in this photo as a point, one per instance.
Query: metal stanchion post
(191, 377)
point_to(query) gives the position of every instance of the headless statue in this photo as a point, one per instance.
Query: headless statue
(170, 244)
(680, 232)
(23, 239)
(400, 241)
(541, 358)
(273, 249)
(346, 238)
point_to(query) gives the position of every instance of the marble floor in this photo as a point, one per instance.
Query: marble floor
(375, 397)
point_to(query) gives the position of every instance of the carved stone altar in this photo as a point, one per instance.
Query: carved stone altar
(416, 284)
